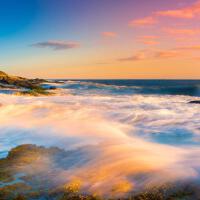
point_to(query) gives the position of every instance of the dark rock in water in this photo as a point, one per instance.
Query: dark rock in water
(195, 102)
(52, 88)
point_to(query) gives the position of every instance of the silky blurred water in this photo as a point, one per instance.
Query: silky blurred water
(148, 126)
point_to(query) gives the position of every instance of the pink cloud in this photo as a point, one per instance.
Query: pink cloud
(148, 40)
(137, 57)
(149, 54)
(146, 21)
(189, 48)
(187, 12)
(175, 31)
(109, 34)
(176, 13)
(167, 54)
(57, 44)
(149, 37)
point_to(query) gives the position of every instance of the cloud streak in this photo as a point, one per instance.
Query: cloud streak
(167, 54)
(187, 12)
(148, 40)
(183, 32)
(109, 34)
(158, 54)
(57, 44)
(146, 21)
(137, 57)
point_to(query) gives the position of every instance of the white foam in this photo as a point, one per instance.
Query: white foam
(120, 128)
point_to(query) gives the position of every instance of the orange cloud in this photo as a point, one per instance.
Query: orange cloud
(167, 54)
(176, 13)
(189, 48)
(188, 12)
(137, 57)
(148, 40)
(174, 31)
(109, 34)
(143, 21)
(149, 37)
(154, 54)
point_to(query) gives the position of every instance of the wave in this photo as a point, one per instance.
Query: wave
(130, 139)
(127, 87)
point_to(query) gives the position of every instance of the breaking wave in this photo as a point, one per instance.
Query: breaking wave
(130, 140)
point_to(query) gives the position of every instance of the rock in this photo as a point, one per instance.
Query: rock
(33, 87)
(26, 175)
(2, 74)
(195, 102)
(20, 81)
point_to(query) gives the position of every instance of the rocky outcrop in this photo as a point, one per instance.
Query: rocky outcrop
(22, 86)
(16, 81)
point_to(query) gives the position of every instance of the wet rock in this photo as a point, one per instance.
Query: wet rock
(16, 81)
(195, 102)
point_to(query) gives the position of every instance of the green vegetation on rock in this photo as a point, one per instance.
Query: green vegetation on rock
(35, 92)
(19, 81)
(32, 86)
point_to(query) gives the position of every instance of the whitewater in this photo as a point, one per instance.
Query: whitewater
(130, 138)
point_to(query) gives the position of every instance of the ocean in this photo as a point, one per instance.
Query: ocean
(140, 86)
(129, 128)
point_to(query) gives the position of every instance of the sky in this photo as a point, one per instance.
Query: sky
(100, 39)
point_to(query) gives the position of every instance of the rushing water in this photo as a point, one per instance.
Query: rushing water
(128, 127)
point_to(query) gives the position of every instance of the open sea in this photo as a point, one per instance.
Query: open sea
(128, 86)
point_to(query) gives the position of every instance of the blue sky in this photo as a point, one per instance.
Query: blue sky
(82, 38)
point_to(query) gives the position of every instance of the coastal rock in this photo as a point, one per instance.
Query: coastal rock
(17, 81)
(23, 86)
(195, 102)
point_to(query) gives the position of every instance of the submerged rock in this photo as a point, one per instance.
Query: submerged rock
(195, 102)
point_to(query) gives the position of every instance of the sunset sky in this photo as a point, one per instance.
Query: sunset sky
(100, 38)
